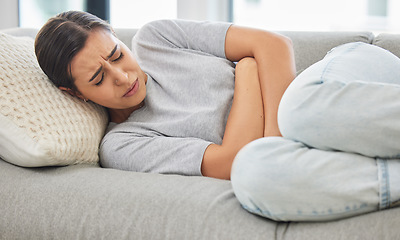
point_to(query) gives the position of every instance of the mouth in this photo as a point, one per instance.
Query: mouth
(132, 89)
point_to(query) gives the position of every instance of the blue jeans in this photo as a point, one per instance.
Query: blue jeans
(340, 150)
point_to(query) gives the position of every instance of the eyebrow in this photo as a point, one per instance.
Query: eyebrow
(101, 67)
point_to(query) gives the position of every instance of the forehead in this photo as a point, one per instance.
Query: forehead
(99, 42)
(97, 47)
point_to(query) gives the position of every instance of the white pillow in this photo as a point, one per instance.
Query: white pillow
(39, 124)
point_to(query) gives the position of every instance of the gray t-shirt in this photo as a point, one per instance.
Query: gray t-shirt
(190, 89)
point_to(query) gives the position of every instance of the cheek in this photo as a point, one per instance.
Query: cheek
(131, 65)
(99, 95)
(130, 61)
(102, 93)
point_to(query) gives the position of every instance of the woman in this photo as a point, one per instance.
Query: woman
(185, 69)
(178, 104)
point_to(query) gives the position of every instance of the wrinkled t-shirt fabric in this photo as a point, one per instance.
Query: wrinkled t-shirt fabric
(190, 89)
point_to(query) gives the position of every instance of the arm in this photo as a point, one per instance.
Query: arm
(245, 122)
(276, 67)
(266, 77)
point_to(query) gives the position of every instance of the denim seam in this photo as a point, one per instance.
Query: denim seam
(328, 65)
(258, 211)
(384, 192)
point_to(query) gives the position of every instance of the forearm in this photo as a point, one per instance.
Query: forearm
(245, 122)
(246, 118)
(276, 70)
(275, 60)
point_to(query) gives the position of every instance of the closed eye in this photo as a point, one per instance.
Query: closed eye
(101, 80)
(118, 58)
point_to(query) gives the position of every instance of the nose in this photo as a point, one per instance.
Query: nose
(120, 77)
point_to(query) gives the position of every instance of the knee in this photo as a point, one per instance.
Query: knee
(257, 178)
(300, 111)
(261, 163)
(245, 169)
(291, 112)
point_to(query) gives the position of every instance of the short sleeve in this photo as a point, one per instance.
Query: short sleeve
(206, 37)
(156, 154)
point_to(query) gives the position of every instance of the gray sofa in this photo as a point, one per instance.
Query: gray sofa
(89, 202)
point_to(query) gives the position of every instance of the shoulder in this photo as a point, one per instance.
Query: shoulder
(156, 27)
(161, 35)
(167, 23)
(155, 33)
(180, 26)
(170, 33)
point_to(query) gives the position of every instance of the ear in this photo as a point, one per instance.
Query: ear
(72, 93)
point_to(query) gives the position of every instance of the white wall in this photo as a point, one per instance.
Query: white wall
(136, 13)
(8, 13)
(213, 10)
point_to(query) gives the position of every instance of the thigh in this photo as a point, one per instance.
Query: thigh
(287, 181)
(349, 101)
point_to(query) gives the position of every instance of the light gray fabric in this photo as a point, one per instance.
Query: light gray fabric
(123, 34)
(190, 89)
(310, 47)
(389, 42)
(26, 32)
(383, 225)
(88, 202)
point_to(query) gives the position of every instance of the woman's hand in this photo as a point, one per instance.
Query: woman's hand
(245, 122)
(276, 66)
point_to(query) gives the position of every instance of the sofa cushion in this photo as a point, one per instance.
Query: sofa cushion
(310, 47)
(40, 125)
(389, 42)
(88, 202)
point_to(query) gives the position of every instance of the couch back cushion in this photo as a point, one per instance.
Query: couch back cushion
(389, 42)
(40, 125)
(124, 34)
(310, 47)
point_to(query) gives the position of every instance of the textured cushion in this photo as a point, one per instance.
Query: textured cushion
(40, 125)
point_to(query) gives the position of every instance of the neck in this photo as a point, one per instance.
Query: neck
(121, 115)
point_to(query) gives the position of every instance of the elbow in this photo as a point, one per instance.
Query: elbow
(273, 45)
(287, 41)
(278, 49)
(103, 156)
(282, 40)
(288, 44)
(283, 43)
(106, 154)
(217, 163)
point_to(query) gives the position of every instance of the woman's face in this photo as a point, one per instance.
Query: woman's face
(106, 72)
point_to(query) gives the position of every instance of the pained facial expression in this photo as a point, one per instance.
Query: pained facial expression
(106, 72)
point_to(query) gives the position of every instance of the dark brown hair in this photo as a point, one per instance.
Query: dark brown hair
(60, 39)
